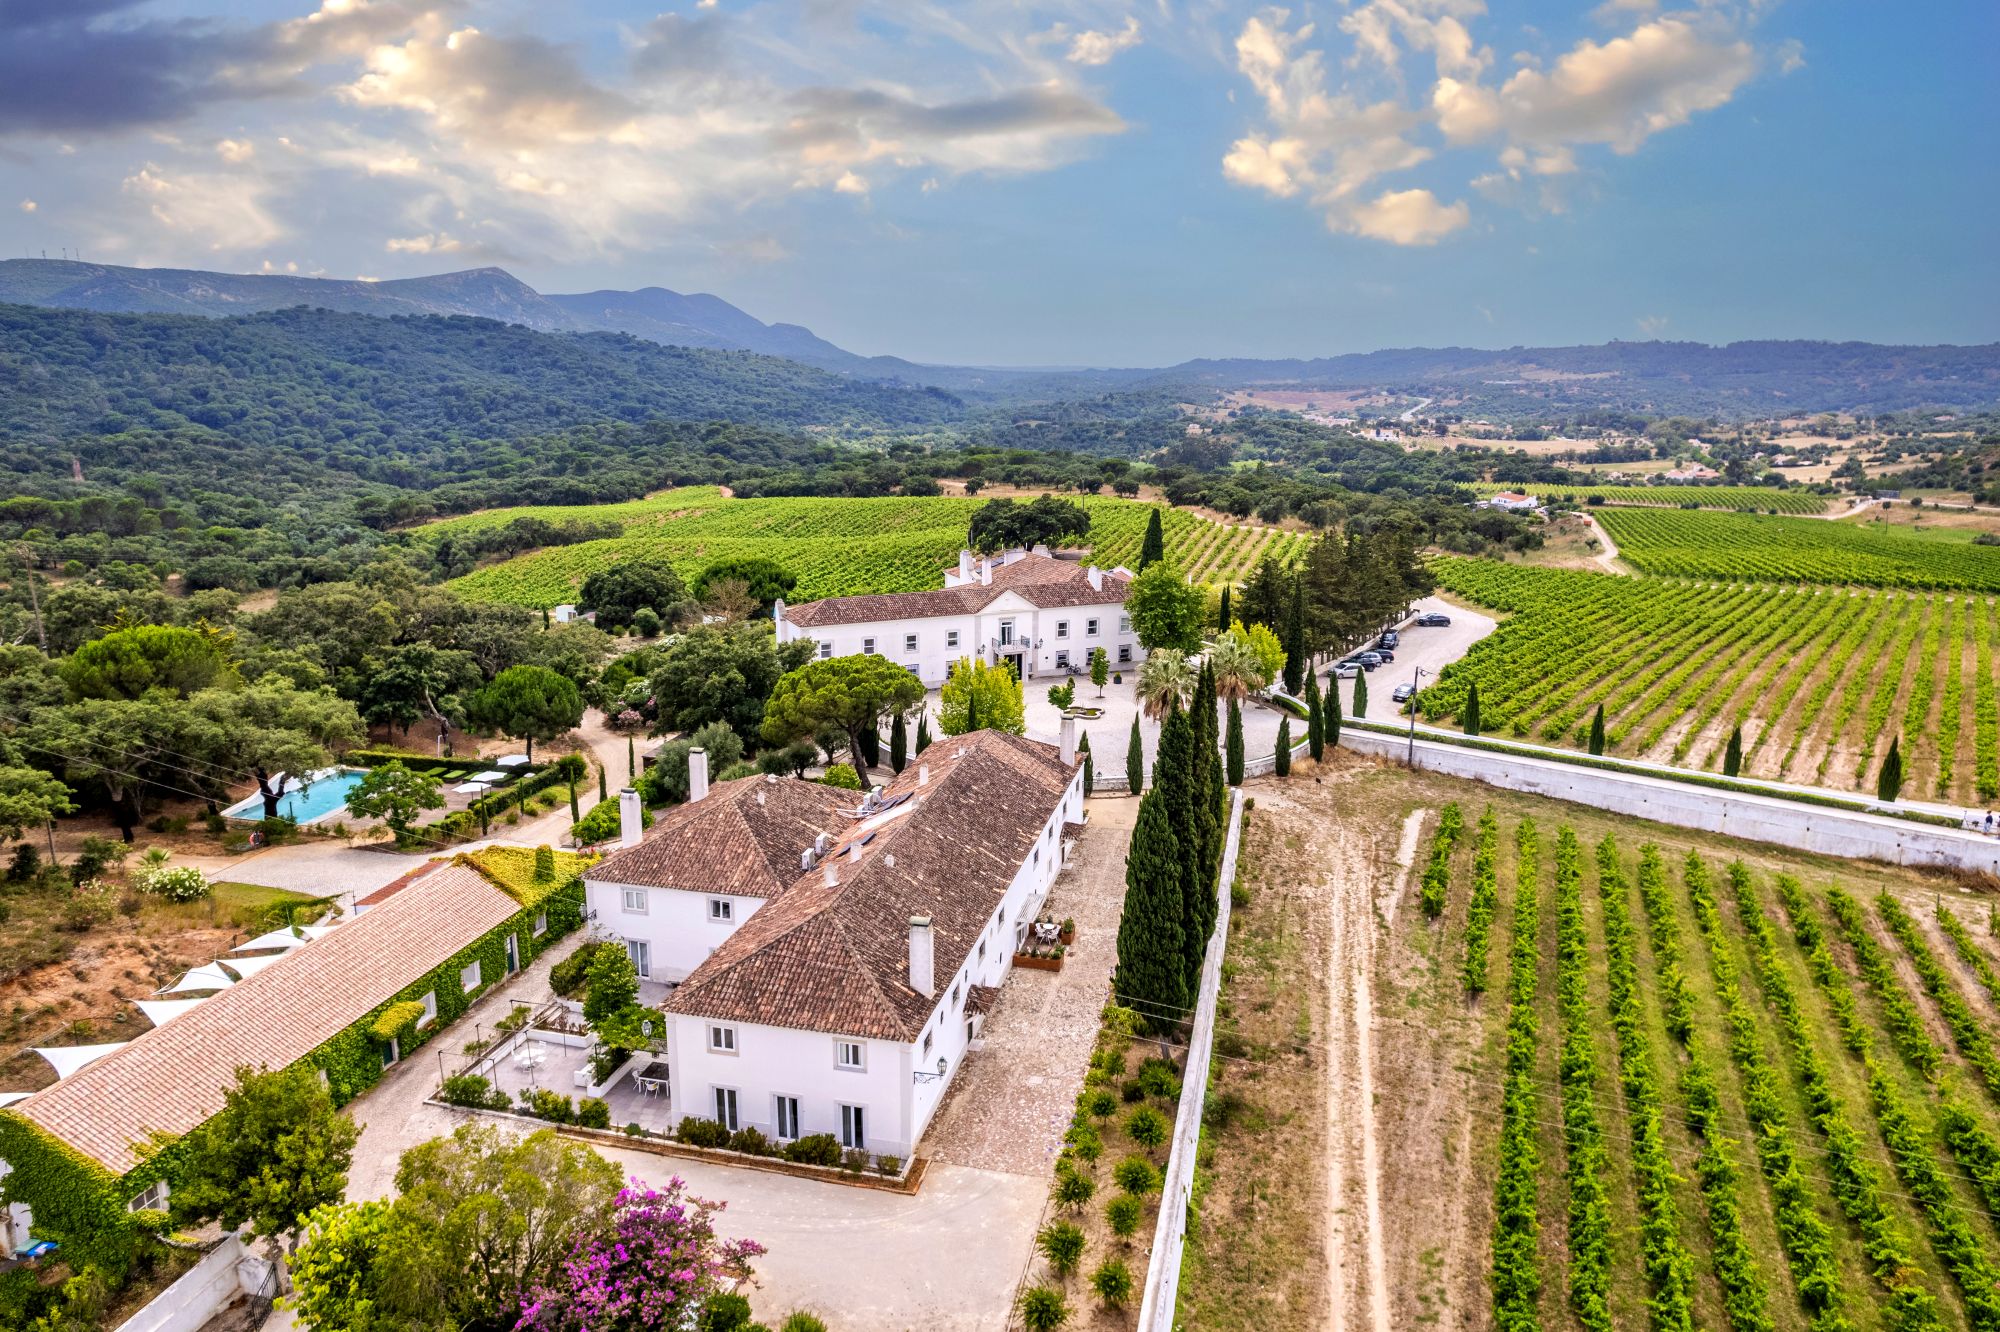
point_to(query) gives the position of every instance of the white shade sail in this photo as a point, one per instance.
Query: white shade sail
(160, 1012)
(319, 931)
(275, 939)
(492, 775)
(67, 1059)
(246, 967)
(511, 761)
(8, 1098)
(207, 977)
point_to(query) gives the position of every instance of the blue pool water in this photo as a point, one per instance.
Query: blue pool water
(324, 797)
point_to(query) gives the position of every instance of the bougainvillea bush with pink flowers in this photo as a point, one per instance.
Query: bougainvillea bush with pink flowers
(659, 1260)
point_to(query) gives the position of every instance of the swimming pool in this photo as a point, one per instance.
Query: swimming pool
(323, 796)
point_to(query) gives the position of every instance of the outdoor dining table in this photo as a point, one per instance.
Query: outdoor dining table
(652, 1078)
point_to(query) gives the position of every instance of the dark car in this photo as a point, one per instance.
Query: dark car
(1390, 638)
(1434, 619)
(1385, 654)
(1367, 661)
(1402, 692)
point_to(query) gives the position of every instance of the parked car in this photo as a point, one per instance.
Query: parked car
(1401, 693)
(1390, 638)
(1385, 654)
(1367, 661)
(1345, 670)
(1434, 619)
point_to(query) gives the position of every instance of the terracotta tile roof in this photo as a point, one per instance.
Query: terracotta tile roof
(172, 1078)
(837, 959)
(980, 999)
(743, 838)
(1042, 580)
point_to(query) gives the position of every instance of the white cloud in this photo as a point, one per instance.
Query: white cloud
(235, 151)
(29, 205)
(1407, 217)
(850, 183)
(1624, 90)
(1098, 48)
(1652, 325)
(219, 212)
(1437, 26)
(1791, 54)
(433, 243)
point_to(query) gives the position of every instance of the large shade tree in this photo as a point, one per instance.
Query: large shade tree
(980, 697)
(1167, 611)
(722, 673)
(414, 682)
(126, 663)
(529, 703)
(615, 593)
(272, 733)
(1003, 524)
(850, 694)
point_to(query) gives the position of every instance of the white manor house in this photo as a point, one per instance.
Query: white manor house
(832, 953)
(1042, 614)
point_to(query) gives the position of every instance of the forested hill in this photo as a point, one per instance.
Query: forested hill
(1659, 378)
(310, 377)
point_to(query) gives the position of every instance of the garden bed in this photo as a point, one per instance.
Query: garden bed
(1039, 961)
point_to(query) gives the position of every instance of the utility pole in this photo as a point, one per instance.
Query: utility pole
(1415, 675)
(27, 554)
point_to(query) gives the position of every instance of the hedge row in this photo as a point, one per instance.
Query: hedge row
(1676, 999)
(1589, 1209)
(1807, 1242)
(1437, 874)
(1485, 900)
(1517, 1272)
(1857, 1185)
(1669, 1269)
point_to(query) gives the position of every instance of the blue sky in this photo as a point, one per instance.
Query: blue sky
(1074, 182)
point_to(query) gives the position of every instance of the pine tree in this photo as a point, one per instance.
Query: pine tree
(1296, 665)
(1360, 694)
(1089, 766)
(1471, 713)
(1135, 762)
(1732, 758)
(1222, 620)
(1152, 975)
(1597, 731)
(1235, 743)
(899, 745)
(1330, 721)
(1284, 753)
(1154, 547)
(923, 732)
(1315, 720)
(1889, 783)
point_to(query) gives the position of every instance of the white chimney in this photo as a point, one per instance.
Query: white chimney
(631, 828)
(1096, 577)
(830, 872)
(697, 773)
(965, 566)
(923, 959)
(986, 571)
(1069, 739)
(854, 850)
(923, 774)
(778, 611)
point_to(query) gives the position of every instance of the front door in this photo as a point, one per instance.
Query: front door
(513, 954)
(641, 954)
(1013, 660)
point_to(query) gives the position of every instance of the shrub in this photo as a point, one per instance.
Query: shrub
(698, 1132)
(819, 1149)
(1085, 1144)
(1043, 1309)
(568, 976)
(724, 1313)
(1073, 1189)
(91, 904)
(1113, 1283)
(1103, 1103)
(472, 1091)
(1147, 1126)
(752, 1142)
(854, 1160)
(1132, 1093)
(1159, 1077)
(843, 776)
(593, 1113)
(26, 866)
(1123, 1215)
(633, 1130)
(1061, 1242)
(550, 1105)
(1135, 1175)
(181, 883)
(802, 1322)
(889, 1165)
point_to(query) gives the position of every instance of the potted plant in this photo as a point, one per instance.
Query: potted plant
(1067, 935)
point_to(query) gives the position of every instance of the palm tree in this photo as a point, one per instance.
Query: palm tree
(1238, 671)
(1166, 678)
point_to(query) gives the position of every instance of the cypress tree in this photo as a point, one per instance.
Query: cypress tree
(923, 732)
(1089, 767)
(1330, 722)
(1174, 787)
(575, 816)
(1471, 713)
(1889, 782)
(1315, 720)
(1360, 694)
(631, 762)
(1732, 758)
(1235, 743)
(971, 712)
(899, 745)
(1135, 762)
(1154, 547)
(1597, 731)
(1151, 975)
(1295, 640)
(871, 746)
(1222, 620)
(603, 787)
(1284, 754)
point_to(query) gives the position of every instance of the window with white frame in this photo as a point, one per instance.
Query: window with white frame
(1124, 624)
(868, 646)
(1090, 628)
(721, 910)
(951, 638)
(468, 976)
(633, 900)
(788, 1117)
(1124, 652)
(850, 1055)
(909, 642)
(430, 1009)
(927, 1042)
(1062, 658)
(154, 1199)
(825, 651)
(725, 1107)
(541, 923)
(721, 1040)
(853, 1134)
(1006, 633)
(1062, 628)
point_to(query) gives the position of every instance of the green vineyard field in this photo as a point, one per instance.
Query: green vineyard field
(837, 547)
(1819, 678)
(1741, 499)
(1735, 1099)
(1682, 544)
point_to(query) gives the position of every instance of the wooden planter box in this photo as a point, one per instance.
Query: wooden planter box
(1067, 937)
(1033, 963)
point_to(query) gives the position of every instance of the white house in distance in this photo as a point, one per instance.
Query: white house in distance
(1037, 612)
(1513, 501)
(845, 946)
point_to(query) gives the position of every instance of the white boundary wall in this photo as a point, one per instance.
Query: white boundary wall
(203, 1291)
(1805, 827)
(1163, 1274)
